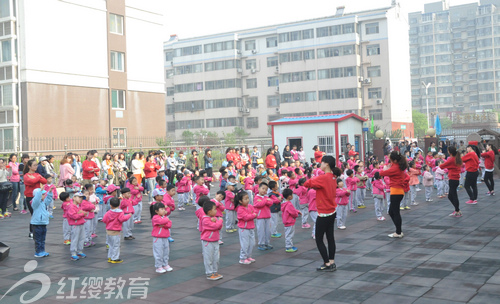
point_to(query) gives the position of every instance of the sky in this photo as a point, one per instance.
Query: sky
(193, 18)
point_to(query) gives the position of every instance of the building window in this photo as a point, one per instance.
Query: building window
(222, 84)
(116, 24)
(7, 139)
(252, 83)
(6, 95)
(252, 122)
(271, 42)
(189, 87)
(273, 101)
(223, 103)
(374, 93)
(170, 91)
(272, 61)
(119, 137)
(373, 49)
(253, 102)
(273, 81)
(250, 64)
(376, 114)
(225, 122)
(373, 71)
(325, 144)
(117, 61)
(249, 45)
(372, 28)
(189, 124)
(118, 99)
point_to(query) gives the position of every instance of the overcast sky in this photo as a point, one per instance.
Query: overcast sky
(192, 18)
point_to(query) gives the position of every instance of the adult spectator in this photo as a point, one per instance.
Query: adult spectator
(318, 155)
(15, 179)
(66, 171)
(209, 162)
(271, 160)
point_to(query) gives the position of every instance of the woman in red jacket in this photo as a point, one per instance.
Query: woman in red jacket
(471, 160)
(32, 181)
(454, 165)
(397, 178)
(150, 168)
(326, 186)
(271, 160)
(489, 166)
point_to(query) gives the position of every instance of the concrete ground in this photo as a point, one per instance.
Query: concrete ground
(440, 260)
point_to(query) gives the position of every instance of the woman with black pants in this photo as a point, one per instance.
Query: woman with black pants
(32, 181)
(453, 164)
(489, 166)
(396, 174)
(471, 160)
(326, 186)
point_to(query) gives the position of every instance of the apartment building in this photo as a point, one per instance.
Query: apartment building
(80, 68)
(454, 51)
(346, 63)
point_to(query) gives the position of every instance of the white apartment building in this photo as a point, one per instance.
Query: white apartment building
(346, 63)
(80, 68)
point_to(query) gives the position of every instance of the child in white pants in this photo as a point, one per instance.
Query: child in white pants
(161, 232)
(114, 220)
(210, 229)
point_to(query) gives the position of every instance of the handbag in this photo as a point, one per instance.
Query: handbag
(5, 187)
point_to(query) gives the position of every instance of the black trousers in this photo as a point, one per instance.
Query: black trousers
(394, 211)
(453, 195)
(488, 180)
(470, 184)
(324, 225)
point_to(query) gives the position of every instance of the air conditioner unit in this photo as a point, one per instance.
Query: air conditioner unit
(242, 109)
(247, 110)
(254, 51)
(240, 70)
(367, 81)
(253, 71)
(380, 101)
(277, 110)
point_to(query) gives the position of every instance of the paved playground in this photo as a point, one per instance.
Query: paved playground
(440, 260)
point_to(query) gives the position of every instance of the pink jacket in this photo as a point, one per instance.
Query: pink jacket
(351, 183)
(210, 232)
(65, 172)
(288, 213)
(88, 207)
(183, 185)
(248, 183)
(65, 206)
(342, 196)
(262, 206)
(161, 226)
(229, 201)
(75, 218)
(200, 213)
(220, 207)
(127, 206)
(246, 217)
(114, 219)
(378, 187)
(414, 173)
(428, 179)
(199, 191)
(311, 199)
(301, 192)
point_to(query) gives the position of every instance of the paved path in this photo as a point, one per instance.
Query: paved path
(440, 260)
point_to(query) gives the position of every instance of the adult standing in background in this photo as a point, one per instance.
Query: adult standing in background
(208, 162)
(15, 179)
(277, 157)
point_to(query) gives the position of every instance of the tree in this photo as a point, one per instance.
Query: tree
(419, 123)
(188, 137)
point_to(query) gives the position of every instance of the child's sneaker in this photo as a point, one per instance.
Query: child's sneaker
(93, 235)
(168, 268)
(74, 258)
(39, 255)
(81, 255)
(251, 260)
(276, 235)
(245, 262)
(116, 261)
(292, 249)
(160, 270)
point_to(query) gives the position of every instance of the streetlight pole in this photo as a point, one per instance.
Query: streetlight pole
(426, 86)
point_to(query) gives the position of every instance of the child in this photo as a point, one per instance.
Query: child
(114, 220)
(378, 195)
(289, 215)
(276, 198)
(342, 199)
(229, 203)
(219, 198)
(66, 200)
(49, 187)
(182, 190)
(210, 240)
(361, 186)
(428, 182)
(246, 224)
(249, 182)
(262, 204)
(301, 193)
(414, 173)
(136, 196)
(161, 231)
(200, 189)
(313, 211)
(40, 220)
(88, 207)
(352, 185)
(127, 206)
(76, 219)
